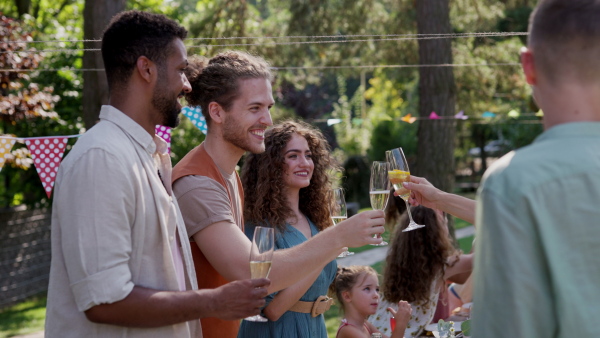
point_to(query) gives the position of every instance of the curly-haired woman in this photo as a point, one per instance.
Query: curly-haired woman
(288, 188)
(417, 266)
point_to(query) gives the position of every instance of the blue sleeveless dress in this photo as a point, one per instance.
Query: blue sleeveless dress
(293, 324)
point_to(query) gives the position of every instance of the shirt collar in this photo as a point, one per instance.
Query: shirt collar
(161, 145)
(572, 129)
(129, 126)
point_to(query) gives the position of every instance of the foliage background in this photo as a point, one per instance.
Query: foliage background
(369, 101)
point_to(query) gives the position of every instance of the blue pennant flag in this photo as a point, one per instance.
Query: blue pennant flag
(195, 115)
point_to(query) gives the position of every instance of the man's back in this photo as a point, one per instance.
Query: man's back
(538, 258)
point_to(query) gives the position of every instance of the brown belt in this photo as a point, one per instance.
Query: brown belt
(319, 306)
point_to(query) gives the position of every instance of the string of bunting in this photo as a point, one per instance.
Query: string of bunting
(408, 118)
(47, 151)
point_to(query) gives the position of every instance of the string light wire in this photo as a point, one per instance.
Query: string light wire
(338, 39)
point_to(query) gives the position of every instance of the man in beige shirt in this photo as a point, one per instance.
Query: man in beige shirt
(121, 261)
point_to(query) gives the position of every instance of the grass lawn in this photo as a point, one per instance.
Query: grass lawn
(23, 318)
(29, 316)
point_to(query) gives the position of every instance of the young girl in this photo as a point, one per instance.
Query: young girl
(357, 290)
(417, 265)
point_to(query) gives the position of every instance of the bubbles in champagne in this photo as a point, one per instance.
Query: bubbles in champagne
(259, 269)
(338, 219)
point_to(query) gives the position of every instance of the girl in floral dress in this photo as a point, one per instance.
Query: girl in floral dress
(417, 265)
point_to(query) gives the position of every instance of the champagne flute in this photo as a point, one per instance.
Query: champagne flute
(399, 173)
(339, 212)
(379, 189)
(261, 254)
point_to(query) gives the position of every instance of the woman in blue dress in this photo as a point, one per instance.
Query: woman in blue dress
(288, 187)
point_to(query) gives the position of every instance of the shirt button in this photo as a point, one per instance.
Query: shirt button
(171, 238)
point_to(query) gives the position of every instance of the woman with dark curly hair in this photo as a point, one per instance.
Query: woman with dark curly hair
(417, 266)
(288, 187)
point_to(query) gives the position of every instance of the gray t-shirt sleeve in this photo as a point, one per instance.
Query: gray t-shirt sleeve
(203, 201)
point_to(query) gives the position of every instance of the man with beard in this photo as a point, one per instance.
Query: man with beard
(121, 260)
(233, 89)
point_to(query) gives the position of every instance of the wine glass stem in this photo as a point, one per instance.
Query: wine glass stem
(408, 211)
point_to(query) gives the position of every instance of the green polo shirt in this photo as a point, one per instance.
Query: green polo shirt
(537, 265)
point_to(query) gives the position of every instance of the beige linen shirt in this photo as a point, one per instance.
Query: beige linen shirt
(113, 227)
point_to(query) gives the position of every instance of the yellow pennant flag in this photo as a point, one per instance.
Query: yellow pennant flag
(6, 145)
(408, 118)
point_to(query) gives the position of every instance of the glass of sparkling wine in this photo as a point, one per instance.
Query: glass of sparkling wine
(339, 212)
(398, 174)
(379, 188)
(261, 254)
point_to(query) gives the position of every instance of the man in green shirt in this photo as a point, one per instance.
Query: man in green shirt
(537, 270)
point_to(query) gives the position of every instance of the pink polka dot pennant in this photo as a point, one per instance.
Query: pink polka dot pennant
(46, 154)
(6, 145)
(164, 133)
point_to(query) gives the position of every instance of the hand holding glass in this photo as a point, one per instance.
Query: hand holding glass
(398, 174)
(261, 255)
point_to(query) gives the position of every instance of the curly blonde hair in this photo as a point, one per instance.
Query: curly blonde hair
(262, 178)
(416, 258)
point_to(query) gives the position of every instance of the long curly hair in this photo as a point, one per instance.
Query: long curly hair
(416, 258)
(262, 178)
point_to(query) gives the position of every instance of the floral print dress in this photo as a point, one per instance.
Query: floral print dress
(421, 316)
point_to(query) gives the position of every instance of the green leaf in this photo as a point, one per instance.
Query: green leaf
(466, 327)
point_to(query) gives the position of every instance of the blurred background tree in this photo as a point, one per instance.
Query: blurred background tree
(369, 101)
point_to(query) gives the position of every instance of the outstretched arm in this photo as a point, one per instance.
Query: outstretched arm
(424, 193)
(228, 249)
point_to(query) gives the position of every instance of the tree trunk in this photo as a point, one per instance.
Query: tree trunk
(437, 92)
(23, 6)
(96, 15)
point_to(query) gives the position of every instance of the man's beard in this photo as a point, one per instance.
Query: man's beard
(236, 135)
(166, 106)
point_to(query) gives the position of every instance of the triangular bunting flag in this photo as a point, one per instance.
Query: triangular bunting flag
(461, 115)
(433, 116)
(488, 114)
(46, 154)
(164, 133)
(195, 115)
(408, 118)
(513, 114)
(540, 113)
(6, 145)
